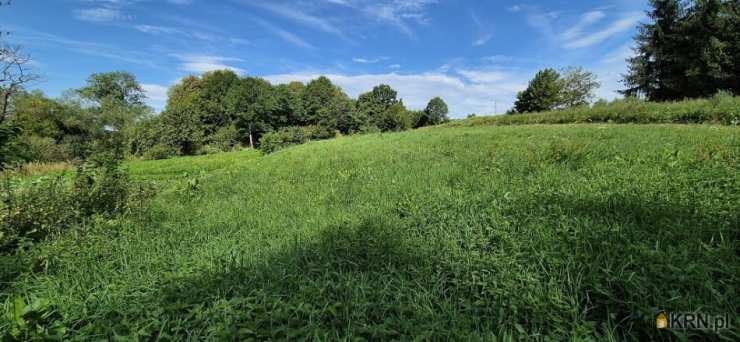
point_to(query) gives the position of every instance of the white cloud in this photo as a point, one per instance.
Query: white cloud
(399, 13)
(482, 76)
(84, 47)
(482, 40)
(515, 8)
(203, 63)
(417, 89)
(292, 13)
(620, 55)
(610, 69)
(100, 14)
(483, 28)
(586, 20)
(284, 35)
(157, 29)
(395, 66)
(498, 59)
(629, 21)
(156, 95)
(368, 60)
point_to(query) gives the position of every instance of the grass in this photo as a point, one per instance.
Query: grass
(579, 232)
(720, 109)
(38, 168)
(184, 167)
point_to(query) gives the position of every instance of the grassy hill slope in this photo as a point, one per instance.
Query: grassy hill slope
(477, 232)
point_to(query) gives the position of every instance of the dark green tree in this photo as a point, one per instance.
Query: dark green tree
(435, 112)
(656, 70)
(542, 94)
(181, 120)
(710, 64)
(253, 104)
(289, 102)
(689, 49)
(324, 104)
(215, 86)
(372, 107)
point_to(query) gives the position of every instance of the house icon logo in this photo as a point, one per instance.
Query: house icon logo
(661, 321)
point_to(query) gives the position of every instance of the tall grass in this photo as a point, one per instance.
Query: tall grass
(720, 109)
(37, 168)
(580, 232)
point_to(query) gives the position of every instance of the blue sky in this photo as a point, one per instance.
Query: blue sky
(474, 54)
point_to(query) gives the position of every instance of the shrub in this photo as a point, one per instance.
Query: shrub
(100, 186)
(33, 211)
(720, 109)
(224, 139)
(36, 148)
(273, 141)
(8, 149)
(160, 151)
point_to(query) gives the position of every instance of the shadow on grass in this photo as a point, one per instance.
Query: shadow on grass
(639, 255)
(349, 281)
(374, 280)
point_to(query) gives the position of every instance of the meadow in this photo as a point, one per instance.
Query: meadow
(722, 108)
(549, 232)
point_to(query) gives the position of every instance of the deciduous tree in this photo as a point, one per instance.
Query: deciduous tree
(435, 112)
(542, 94)
(577, 88)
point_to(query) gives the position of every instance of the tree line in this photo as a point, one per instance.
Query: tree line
(216, 111)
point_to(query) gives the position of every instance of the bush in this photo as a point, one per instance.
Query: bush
(273, 141)
(33, 211)
(100, 186)
(8, 148)
(160, 151)
(224, 139)
(41, 149)
(719, 109)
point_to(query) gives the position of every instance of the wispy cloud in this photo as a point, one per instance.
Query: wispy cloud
(623, 24)
(154, 29)
(482, 40)
(301, 17)
(399, 13)
(204, 63)
(100, 14)
(514, 8)
(283, 34)
(619, 55)
(483, 30)
(483, 76)
(32, 37)
(587, 19)
(368, 60)
(585, 32)
(498, 59)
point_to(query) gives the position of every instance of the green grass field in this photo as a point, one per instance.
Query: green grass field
(556, 232)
